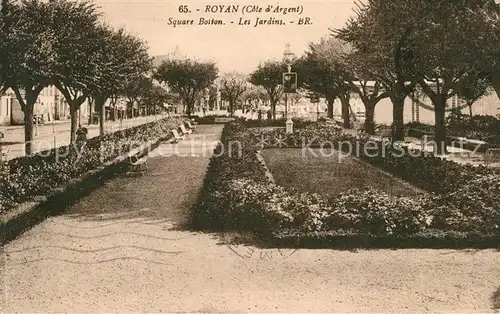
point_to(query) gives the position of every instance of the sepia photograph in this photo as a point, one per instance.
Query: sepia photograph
(315, 156)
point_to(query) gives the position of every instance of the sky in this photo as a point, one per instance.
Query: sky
(232, 46)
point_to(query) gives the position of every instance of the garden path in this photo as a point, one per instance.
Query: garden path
(119, 250)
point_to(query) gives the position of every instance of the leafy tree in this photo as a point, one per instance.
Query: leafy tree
(471, 88)
(327, 56)
(369, 91)
(156, 97)
(253, 97)
(76, 47)
(232, 87)
(138, 90)
(212, 97)
(433, 44)
(448, 55)
(186, 77)
(29, 58)
(490, 10)
(379, 33)
(318, 78)
(270, 76)
(6, 21)
(122, 59)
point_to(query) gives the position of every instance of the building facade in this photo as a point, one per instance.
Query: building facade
(6, 109)
(50, 105)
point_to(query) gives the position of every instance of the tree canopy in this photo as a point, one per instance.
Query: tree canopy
(269, 75)
(187, 77)
(232, 87)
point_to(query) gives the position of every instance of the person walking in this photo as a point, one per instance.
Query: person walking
(81, 136)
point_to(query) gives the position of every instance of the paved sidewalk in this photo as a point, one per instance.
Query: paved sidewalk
(49, 137)
(118, 250)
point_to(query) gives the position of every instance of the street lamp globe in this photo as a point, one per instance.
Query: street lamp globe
(288, 57)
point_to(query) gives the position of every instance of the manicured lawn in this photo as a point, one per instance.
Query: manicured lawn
(327, 175)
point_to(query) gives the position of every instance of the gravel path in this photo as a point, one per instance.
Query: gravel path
(119, 250)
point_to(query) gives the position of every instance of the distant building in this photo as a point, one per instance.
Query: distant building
(6, 109)
(50, 105)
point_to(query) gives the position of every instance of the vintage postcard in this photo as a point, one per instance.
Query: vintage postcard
(327, 156)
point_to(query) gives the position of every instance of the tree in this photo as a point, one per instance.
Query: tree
(471, 89)
(490, 10)
(361, 83)
(432, 44)
(328, 55)
(156, 97)
(122, 59)
(138, 90)
(28, 57)
(186, 77)
(6, 21)
(269, 76)
(232, 87)
(253, 97)
(379, 33)
(318, 78)
(448, 55)
(76, 47)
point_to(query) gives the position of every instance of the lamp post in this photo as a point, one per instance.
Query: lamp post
(218, 97)
(288, 59)
(206, 94)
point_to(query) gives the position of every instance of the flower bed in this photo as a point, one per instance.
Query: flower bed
(237, 195)
(24, 178)
(297, 123)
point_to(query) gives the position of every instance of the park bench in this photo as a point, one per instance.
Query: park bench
(184, 130)
(177, 137)
(426, 140)
(192, 127)
(386, 133)
(492, 155)
(138, 163)
(4, 154)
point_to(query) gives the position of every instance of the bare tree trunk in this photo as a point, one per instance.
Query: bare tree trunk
(370, 118)
(189, 106)
(345, 112)
(231, 108)
(56, 111)
(73, 110)
(398, 127)
(28, 128)
(99, 105)
(470, 109)
(330, 103)
(440, 127)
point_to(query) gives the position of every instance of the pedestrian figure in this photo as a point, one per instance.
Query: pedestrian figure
(81, 136)
(269, 115)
